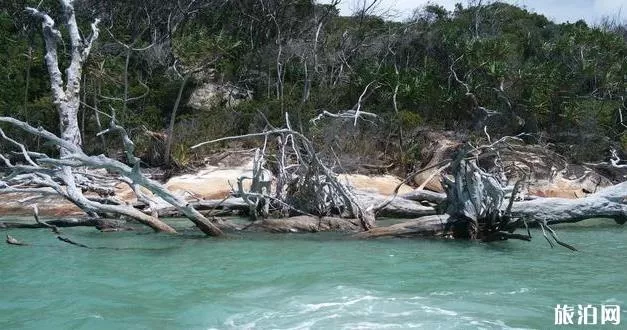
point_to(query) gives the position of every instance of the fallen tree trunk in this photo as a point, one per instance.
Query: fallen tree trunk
(233, 203)
(610, 202)
(228, 206)
(305, 224)
(428, 226)
(40, 173)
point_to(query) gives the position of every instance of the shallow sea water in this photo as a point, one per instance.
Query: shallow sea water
(302, 281)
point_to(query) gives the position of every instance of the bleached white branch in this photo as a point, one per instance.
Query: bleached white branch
(361, 98)
(614, 160)
(51, 36)
(19, 145)
(348, 114)
(92, 38)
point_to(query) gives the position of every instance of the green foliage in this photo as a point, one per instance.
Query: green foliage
(302, 58)
(409, 119)
(181, 155)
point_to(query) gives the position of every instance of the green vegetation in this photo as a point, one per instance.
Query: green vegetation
(562, 83)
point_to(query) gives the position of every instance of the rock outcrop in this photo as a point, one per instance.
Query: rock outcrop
(210, 94)
(381, 184)
(209, 183)
(21, 204)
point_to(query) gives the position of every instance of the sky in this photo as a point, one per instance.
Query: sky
(557, 10)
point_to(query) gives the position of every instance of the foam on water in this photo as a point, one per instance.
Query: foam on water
(352, 306)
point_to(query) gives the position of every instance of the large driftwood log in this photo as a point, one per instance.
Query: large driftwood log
(233, 203)
(228, 206)
(427, 226)
(305, 224)
(610, 202)
(478, 207)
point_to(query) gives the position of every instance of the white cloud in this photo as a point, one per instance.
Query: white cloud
(558, 10)
(612, 8)
(608, 5)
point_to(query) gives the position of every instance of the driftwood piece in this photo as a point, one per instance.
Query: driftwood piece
(69, 241)
(14, 241)
(305, 224)
(54, 228)
(424, 196)
(397, 207)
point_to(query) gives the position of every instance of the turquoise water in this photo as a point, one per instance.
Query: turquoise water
(301, 281)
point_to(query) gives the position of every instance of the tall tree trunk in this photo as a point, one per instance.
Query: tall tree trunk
(97, 114)
(28, 67)
(66, 97)
(126, 63)
(170, 133)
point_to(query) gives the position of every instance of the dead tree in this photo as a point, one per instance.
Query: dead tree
(63, 174)
(66, 175)
(66, 97)
(475, 200)
(304, 184)
(260, 188)
(477, 207)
